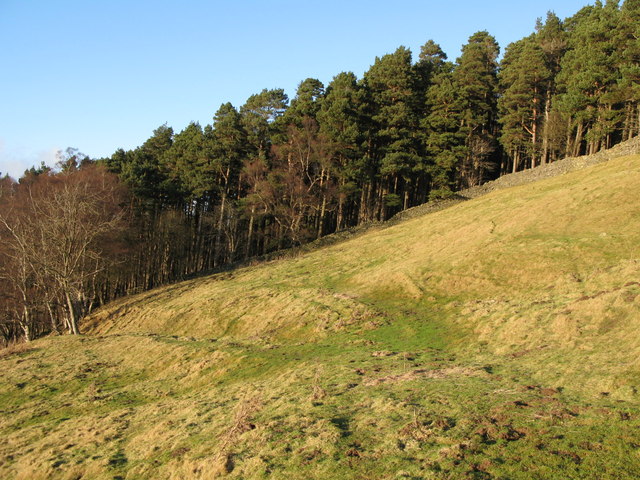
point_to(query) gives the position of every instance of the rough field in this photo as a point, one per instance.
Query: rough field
(495, 339)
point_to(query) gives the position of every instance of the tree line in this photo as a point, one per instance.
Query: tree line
(275, 173)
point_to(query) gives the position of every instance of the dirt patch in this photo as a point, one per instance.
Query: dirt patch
(422, 373)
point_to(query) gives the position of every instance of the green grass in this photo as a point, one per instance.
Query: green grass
(355, 405)
(489, 340)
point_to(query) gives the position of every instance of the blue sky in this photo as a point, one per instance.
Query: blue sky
(100, 75)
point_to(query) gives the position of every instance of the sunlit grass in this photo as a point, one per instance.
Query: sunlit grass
(494, 339)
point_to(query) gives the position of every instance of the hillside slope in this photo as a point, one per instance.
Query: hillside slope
(494, 339)
(546, 263)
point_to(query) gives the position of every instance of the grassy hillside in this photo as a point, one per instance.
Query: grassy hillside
(494, 339)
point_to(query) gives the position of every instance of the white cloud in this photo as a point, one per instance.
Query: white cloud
(15, 159)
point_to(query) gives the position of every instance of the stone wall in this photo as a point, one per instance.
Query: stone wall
(630, 147)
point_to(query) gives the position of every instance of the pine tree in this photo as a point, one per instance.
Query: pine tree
(444, 138)
(306, 103)
(431, 61)
(141, 169)
(552, 38)
(259, 115)
(391, 82)
(228, 150)
(340, 120)
(475, 80)
(629, 44)
(588, 78)
(524, 79)
(183, 165)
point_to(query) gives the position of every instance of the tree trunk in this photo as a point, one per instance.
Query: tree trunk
(25, 324)
(568, 148)
(381, 208)
(577, 143)
(626, 124)
(362, 214)
(280, 234)
(323, 209)
(247, 252)
(340, 214)
(52, 317)
(216, 254)
(534, 129)
(73, 321)
(544, 158)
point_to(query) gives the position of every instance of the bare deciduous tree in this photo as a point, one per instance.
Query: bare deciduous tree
(56, 229)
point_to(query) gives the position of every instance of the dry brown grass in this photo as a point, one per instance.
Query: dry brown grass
(424, 374)
(15, 348)
(554, 241)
